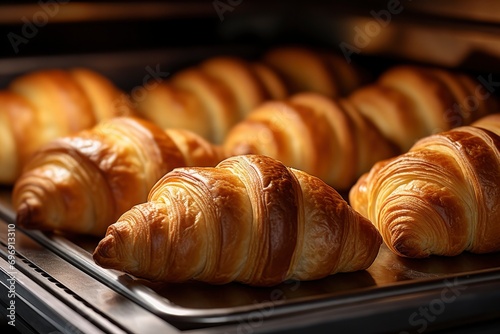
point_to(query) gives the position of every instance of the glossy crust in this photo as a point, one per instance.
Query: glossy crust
(43, 105)
(83, 183)
(250, 219)
(441, 197)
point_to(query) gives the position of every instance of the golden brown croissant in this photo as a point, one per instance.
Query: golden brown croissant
(441, 197)
(250, 219)
(340, 139)
(410, 102)
(84, 182)
(43, 105)
(309, 70)
(323, 137)
(211, 97)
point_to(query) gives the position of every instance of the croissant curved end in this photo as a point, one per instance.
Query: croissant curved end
(409, 247)
(28, 215)
(105, 253)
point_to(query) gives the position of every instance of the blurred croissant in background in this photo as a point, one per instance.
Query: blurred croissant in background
(84, 182)
(250, 219)
(43, 105)
(210, 98)
(442, 197)
(339, 139)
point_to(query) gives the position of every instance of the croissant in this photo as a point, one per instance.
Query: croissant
(43, 105)
(82, 183)
(250, 219)
(409, 102)
(441, 197)
(308, 70)
(490, 122)
(212, 96)
(339, 139)
(310, 132)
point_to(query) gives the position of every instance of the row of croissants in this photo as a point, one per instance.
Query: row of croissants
(232, 170)
(207, 99)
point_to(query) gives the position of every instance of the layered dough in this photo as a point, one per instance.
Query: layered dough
(82, 183)
(250, 219)
(441, 197)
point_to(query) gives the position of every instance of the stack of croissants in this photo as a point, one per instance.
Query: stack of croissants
(232, 170)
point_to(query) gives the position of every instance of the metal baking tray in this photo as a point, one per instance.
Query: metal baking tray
(198, 305)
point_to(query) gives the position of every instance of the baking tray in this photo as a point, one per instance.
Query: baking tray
(196, 305)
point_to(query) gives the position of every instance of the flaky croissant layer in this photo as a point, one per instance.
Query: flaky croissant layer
(83, 183)
(251, 219)
(442, 197)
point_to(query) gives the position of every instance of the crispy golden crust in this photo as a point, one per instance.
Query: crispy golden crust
(250, 219)
(83, 183)
(439, 198)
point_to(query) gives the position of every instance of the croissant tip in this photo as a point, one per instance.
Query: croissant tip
(27, 215)
(406, 249)
(105, 250)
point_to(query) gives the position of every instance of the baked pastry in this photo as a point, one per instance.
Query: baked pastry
(321, 136)
(84, 182)
(340, 139)
(411, 102)
(441, 197)
(309, 70)
(250, 219)
(43, 105)
(211, 97)
(490, 122)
